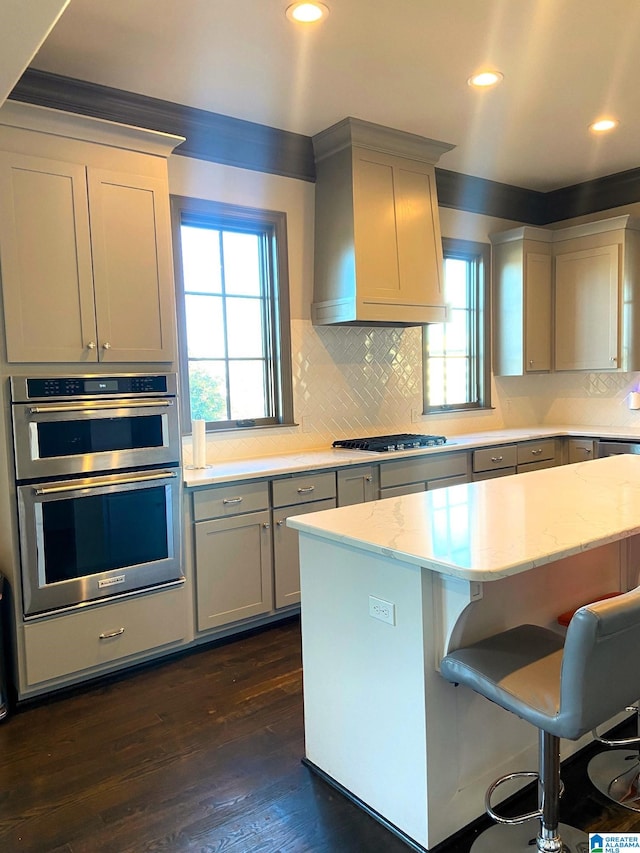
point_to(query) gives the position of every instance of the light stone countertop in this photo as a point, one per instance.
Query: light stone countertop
(494, 528)
(311, 460)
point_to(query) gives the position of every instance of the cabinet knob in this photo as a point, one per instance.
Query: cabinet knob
(91, 345)
(368, 479)
(530, 362)
(280, 522)
(266, 525)
(613, 359)
(106, 345)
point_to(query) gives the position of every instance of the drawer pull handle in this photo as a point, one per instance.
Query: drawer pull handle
(228, 501)
(305, 490)
(497, 458)
(585, 449)
(536, 452)
(110, 634)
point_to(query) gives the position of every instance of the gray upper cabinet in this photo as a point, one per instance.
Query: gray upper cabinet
(567, 299)
(85, 243)
(522, 291)
(378, 249)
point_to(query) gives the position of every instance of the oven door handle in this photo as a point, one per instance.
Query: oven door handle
(107, 404)
(98, 484)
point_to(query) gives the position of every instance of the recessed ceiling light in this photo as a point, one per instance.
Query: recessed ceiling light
(603, 125)
(307, 13)
(485, 79)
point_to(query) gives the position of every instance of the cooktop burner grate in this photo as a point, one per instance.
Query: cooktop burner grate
(386, 443)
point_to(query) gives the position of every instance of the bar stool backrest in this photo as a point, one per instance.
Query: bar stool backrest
(600, 663)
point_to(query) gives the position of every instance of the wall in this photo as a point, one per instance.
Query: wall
(358, 381)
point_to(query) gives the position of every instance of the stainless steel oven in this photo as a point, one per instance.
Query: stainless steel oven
(99, 487)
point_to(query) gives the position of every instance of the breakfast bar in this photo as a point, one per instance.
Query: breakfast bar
(389, 587)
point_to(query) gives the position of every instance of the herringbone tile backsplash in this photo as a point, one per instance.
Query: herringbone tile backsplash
(352, 381)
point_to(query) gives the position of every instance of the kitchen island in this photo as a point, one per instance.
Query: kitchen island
(389, 587)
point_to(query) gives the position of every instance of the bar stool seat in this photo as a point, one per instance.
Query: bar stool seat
(564, 688)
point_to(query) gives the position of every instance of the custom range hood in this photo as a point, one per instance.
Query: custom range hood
(378, 249)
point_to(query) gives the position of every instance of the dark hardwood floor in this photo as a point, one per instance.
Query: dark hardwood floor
(200, 754)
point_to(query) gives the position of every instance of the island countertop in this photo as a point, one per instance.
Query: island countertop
(494, 528)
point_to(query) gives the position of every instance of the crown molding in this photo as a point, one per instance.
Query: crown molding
(248, 145)
(208, 136)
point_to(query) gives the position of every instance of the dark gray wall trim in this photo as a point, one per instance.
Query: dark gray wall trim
(247, 145)
(593, 196)
(209, 136)
(479, 195)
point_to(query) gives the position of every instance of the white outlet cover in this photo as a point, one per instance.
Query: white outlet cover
(383, 610)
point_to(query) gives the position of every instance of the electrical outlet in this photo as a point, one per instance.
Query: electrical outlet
(383, 610)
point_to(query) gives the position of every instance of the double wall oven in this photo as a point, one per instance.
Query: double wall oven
(98, 483)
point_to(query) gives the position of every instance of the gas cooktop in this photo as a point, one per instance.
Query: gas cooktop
(386, 443)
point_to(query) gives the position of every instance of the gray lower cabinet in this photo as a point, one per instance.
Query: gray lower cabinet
(233, 562)
(417, 474)
(491, 462)
(95, 639)
(579, 450)
(285, 551)
(357, 485)
(296, 495)
(534, 455)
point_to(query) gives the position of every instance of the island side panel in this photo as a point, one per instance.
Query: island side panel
(364, 679)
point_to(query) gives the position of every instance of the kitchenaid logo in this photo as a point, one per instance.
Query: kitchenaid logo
(111, 581)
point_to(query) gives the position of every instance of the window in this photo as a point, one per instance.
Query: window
(233, 311)
(456, 361)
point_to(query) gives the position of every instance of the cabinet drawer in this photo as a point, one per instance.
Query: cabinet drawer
(580, 449)
(221, 501)
(304, 488)
(536, 451)
(492, 458)
(536, 466)
(94, 637)
(493, 475)
(421, 469)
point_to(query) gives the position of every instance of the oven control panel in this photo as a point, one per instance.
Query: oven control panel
(79, 387)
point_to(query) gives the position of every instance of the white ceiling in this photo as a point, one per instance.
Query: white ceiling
(401, 63)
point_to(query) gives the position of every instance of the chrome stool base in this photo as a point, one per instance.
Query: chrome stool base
(522, 839)
(616, 774)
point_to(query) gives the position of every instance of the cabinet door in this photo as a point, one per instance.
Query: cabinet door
(356, 486)
(233, 569)
(537, 322)
(285, 550)
(586, 303)
(132, 271)
(46, 260)
(580, 450)
(447, 481)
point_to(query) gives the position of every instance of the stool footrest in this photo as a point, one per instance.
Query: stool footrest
(510, 821)
(523, 818)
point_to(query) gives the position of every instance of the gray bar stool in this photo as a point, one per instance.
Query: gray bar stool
(564, 688)
(615, 774)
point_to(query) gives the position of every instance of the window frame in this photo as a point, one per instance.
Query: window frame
(273, 225)
(480, 255)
